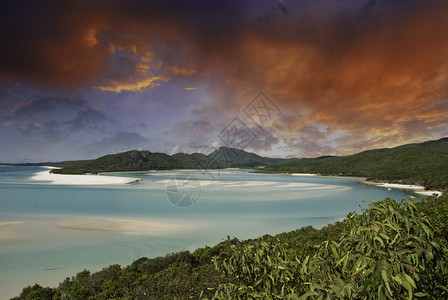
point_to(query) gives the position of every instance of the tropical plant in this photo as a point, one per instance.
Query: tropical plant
(387, 252)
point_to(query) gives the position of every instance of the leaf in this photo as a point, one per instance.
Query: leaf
(335, 289)
(384, 275)
(377, 238)
(388, 288)
(395, 239)
(386, 281)
(335, 253)
(307, 294)
(434, 244)
(397, 279)
(304, 264)
(420, 294)
(384, 236)
(410, 280)
(408, 287)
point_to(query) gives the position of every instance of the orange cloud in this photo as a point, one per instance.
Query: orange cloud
(8, 123)
(137, 86)
(385, 86)
(90, 37)
(182, 71)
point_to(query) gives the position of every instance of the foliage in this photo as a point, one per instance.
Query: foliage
(436, 208)
(424, 164)
(258, 271)
(37, 292)
(302, 242)
(388, 252)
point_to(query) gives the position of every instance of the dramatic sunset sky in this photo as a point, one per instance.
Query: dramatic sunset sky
(79, 79)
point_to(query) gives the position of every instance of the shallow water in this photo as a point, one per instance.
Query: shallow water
(105, 225)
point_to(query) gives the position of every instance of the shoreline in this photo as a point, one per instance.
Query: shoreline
(418, 189)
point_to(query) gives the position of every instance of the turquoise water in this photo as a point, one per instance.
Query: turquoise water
(231, 202)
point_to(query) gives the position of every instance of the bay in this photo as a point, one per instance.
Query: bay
(49, 232)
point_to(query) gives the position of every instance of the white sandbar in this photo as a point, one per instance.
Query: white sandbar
(62, 179)
(244, 184)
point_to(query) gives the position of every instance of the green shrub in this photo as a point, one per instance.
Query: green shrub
(387, 252)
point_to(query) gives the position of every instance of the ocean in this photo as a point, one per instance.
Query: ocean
(49, 232)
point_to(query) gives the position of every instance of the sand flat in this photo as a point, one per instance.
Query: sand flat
(8, 230)
(248, 184)
(137, 226)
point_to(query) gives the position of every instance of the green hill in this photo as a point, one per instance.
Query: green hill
(138, 161)
(423, 164)
(233, 157)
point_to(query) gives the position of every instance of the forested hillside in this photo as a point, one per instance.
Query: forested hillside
(233, 157)
(138, 161)
(423, 164)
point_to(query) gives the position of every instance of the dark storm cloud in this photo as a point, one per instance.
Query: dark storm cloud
(364, 68)
(45, 136)
(89, 118)
(43, 105)
(118, 142)
(264, 141)
(70, 43)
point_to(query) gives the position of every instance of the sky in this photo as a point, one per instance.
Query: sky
(306, 78)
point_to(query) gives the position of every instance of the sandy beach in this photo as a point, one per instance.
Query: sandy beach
(62, 179)
(416, 188)
(302, 174)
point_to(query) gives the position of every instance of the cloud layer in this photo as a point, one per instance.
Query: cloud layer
(347, 75)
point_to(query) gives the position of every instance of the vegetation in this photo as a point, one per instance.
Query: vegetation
(423, 164)
(138, 161)
(232, 157)
(389, 250)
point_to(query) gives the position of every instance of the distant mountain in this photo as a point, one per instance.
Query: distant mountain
(233, 157)
(423, 164)
(138, 161)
